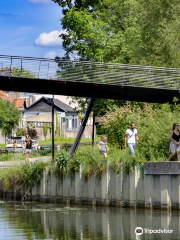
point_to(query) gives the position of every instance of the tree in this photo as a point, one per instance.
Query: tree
(9, 116)
(18, 72)
(98, 34)
(156, 38)
(135, 32)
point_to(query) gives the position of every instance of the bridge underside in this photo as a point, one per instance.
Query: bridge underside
(83, 89)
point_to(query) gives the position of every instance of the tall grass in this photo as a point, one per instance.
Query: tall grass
(90, 160)
(24, 174)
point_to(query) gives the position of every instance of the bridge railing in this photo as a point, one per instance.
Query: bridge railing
(92, 72)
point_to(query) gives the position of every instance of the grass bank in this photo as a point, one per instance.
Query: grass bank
(86, 156)
(25, 174)
(90, 159)
(2, 145)
(65, 140)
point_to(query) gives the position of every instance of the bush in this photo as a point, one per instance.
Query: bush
(26, 174)
(21, 132)
(32, 133)
(62, 161)
(153, 122)
(100, 130)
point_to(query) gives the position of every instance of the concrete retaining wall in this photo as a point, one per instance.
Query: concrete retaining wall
(135, 189)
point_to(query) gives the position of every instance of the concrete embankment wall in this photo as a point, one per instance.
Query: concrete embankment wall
(148, 186)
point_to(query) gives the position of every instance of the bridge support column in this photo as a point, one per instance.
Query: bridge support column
(52, 103)
(83, 124)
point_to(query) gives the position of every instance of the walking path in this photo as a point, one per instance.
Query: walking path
(11, 163)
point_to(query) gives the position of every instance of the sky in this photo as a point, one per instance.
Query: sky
(30, 28)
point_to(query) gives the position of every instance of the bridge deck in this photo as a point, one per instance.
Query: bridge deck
(75, 78)
(83, 89)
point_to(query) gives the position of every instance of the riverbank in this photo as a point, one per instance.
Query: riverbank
(137, 189)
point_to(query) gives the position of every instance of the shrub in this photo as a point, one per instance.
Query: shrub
(26, 174)
(32, 133)
(153, 122)
(62, 159)
(21, 132)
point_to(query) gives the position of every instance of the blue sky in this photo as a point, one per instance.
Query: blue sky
(30, 28)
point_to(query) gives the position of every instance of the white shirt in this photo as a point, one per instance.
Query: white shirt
(131, 135)
(103, 145)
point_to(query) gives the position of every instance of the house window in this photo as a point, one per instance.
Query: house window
(67, 124)
(75, 123)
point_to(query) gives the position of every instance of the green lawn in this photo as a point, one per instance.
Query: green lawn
(60, 140)
(66, 140)
(2, 145)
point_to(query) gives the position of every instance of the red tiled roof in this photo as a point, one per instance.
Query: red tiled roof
(3, 96)
(19, 102)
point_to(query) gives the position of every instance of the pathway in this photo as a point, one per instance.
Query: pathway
(11, 163)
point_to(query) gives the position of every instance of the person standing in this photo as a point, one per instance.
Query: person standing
(27, 148)
(130, 136)
(174, 142)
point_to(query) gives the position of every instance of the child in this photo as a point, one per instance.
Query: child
(102, 146)
(14, 143)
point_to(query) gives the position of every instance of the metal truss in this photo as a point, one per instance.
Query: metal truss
(90, 72)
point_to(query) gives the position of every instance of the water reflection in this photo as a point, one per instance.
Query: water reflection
(49, 221)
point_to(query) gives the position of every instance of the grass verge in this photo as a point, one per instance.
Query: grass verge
(25, 174)
(65, 140)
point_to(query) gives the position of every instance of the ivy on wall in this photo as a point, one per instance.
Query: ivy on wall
(58, 129)
(44, 130)
(50, 129)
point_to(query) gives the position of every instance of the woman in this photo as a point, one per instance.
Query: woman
(174, 144)
(27, 148)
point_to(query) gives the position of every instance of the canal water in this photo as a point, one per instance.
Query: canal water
(32, 220)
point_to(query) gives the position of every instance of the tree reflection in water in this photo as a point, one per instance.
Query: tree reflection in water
(55, 221)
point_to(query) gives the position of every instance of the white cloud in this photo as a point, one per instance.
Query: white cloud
(53, 54)
(51, 39)
(40, 1)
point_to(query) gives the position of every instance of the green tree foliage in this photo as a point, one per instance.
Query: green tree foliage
(153, 125)
(132, 32)
(135, 32)
(100, 106)
(97, 33)
(18, 72)
(156, 36)
(9, 116)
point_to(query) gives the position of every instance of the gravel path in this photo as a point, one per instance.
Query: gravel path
(11, 163)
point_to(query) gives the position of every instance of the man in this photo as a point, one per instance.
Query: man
(130, 136)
